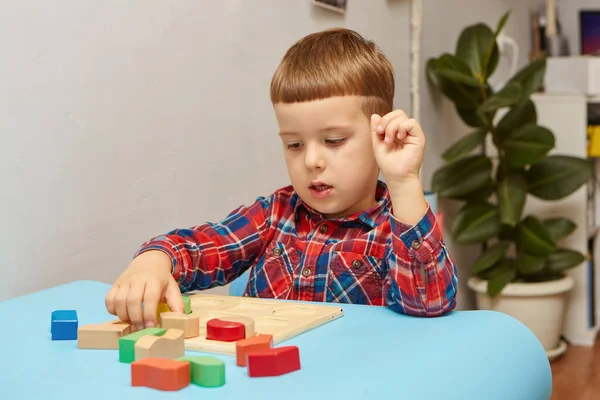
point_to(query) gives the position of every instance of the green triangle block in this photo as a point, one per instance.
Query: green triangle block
(206, 371)
(127, 343)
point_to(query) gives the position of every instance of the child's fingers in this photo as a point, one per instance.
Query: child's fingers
(412, 132)
(394, 131)
(389, 117)
(173, 297)
(376, 135)
(151, 298)
(109, 300)
(120, 302)
(135, 296)
(375, 118)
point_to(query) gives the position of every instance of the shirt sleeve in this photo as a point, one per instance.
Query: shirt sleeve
(414, 248)
(215, 253)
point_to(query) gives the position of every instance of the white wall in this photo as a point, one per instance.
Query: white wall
(443, 22)
(121, 120)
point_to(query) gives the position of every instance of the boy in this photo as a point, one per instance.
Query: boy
(337, 233)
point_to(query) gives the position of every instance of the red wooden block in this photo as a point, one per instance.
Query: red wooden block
(273, 362)
(160, 373)
(225, 331)
(257, 343)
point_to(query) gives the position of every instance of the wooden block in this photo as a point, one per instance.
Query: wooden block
(103, 336)
(224, 331)
(206, 371)
(273, 362)
(160, 373)
(283, 320)
(187, 302)
(170, 345)
(247, 321)
(64, 325)
(127, 343)
(246, 346)
(164, 308)
(189, 324)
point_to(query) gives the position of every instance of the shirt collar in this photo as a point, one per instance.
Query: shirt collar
(373, 216)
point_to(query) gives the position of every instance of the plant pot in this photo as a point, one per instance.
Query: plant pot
(540, 306)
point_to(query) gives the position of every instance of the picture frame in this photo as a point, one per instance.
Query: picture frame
(338, 6)
(589, 32)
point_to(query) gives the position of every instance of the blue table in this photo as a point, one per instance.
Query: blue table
(369, 352)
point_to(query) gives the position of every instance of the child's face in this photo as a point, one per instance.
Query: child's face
(329, 154)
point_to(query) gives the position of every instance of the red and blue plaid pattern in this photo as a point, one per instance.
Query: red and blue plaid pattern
(294, 253)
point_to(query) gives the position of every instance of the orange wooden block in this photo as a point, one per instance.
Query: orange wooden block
(188, 323)
(160, 373)
(245, 346)
(170, 345)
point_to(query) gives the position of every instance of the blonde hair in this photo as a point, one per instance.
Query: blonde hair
(335, 62)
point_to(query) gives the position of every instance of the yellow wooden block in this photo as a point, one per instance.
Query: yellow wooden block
(162, 307)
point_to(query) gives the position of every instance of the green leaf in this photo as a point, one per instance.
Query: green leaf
(462, 177)
(507, 233)
(432, 75)
(501, 277)
(534, 238)
(557, 176)
(509, 95)
(518, 117)
(490, 257)
(528, 145)
(559, 227)
(564, 259)
(459, 77)
(527, 264)
(502, 23)
(531, 77)
(492, 54)
(472, 118)
(544, 275)
(464, 145)
(476, 223)
(481, 195)
(462, 95)
(472, 47)
(512, 193)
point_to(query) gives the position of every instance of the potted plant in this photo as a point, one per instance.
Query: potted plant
(522, 268)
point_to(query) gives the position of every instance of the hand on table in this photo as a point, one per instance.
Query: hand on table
(146, 280)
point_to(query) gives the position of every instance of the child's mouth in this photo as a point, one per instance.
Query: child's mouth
(320, 191)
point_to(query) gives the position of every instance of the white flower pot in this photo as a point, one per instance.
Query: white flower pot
(539, 306)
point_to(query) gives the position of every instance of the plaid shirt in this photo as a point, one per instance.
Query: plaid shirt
(294, 253)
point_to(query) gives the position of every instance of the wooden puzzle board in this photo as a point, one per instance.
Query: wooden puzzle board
(281, 319)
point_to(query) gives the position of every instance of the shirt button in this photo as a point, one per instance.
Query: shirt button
(323, 229)
(356, 264)
(277, 252)
(416, 244)
(306, 272)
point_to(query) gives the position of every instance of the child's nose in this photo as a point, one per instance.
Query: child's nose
(313, 158)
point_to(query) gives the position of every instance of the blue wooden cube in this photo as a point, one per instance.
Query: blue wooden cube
(64, 325)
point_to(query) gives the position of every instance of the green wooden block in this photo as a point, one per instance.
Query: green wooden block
(206, 371)
(127, 343)
(188, 304)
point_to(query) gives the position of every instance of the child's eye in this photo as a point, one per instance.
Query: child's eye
(293, 146)
(335, 141)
